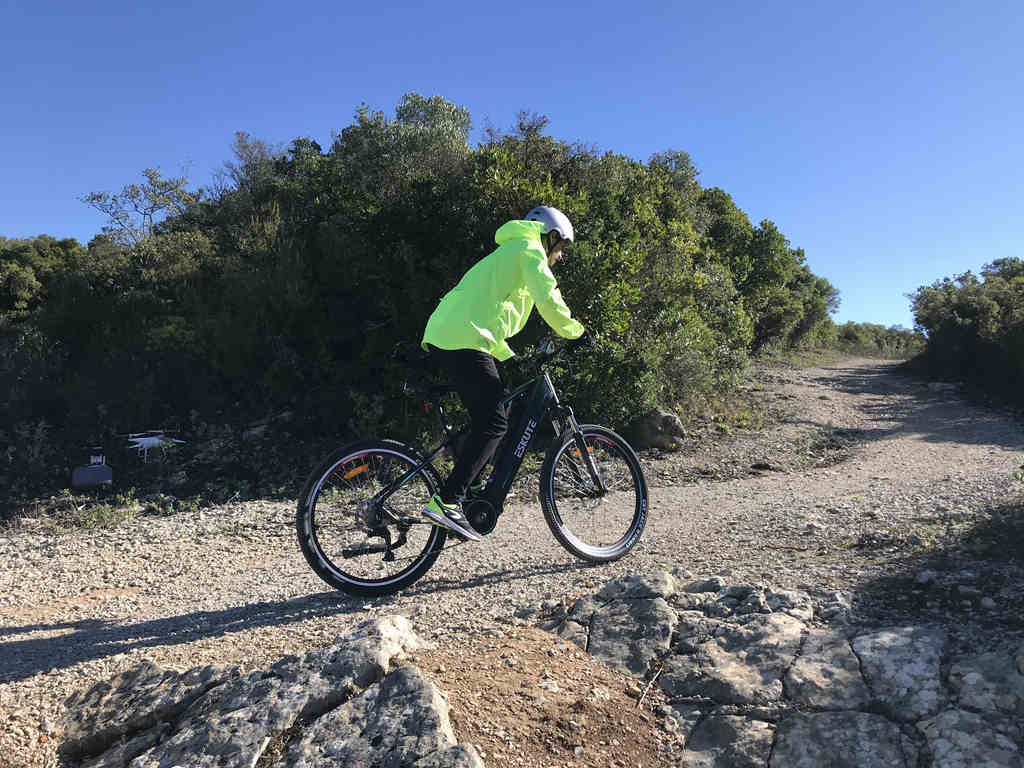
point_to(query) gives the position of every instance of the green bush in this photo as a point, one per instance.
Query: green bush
(294, 284)
(975, 328)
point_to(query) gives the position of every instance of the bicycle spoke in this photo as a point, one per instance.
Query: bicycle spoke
(356, 542)
(593, 523)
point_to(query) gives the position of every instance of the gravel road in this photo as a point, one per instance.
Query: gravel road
(230, 585)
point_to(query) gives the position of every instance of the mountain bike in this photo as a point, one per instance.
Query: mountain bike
(359, 518)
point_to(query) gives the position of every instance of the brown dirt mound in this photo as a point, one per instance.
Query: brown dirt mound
(526, 699)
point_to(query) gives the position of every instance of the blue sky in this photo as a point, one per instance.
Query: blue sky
(883, 139)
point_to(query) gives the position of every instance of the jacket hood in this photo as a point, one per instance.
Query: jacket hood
(514, 230)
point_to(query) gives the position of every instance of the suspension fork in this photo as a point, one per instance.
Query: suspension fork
(566, 414)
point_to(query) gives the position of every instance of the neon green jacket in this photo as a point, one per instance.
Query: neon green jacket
(493, 300)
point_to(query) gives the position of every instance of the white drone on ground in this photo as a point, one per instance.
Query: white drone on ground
(152, 438)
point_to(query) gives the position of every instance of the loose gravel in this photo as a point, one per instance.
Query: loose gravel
(861, 478)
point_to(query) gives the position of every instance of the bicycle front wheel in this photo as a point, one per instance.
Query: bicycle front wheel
(357, 543)
(594, 525)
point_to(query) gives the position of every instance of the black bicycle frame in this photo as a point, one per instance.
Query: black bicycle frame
(543, 399)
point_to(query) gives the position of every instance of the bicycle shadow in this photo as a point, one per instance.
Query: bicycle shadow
(439, 585)
(93, 639)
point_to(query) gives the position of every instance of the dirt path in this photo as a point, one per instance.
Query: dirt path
(230, 584)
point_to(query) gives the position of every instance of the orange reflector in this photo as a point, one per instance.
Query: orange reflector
(356, 471)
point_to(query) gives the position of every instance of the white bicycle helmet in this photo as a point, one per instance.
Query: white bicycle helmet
(552, 219)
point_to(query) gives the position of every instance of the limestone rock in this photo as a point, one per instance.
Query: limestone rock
(461, 756)
(657, 429)
(714, 584)
(694, 629)
(827, 674)
(575, 628)
(627, 634)
(959, 739)
(791, 602)
(132, 701)
(574, 632)
(232, 728)
(397, 723)
(901, 666)
(728, 741)
(741, 665)
(989, 682)
(122, 752)
(636, 587)
(839, 740)
(690, 601)
(744, 656)
(152, 718)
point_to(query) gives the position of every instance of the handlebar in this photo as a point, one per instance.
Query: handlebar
(423, 366)
(548, 351)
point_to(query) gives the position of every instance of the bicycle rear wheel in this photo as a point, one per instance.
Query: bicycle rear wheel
(356, 543)
(594, 525)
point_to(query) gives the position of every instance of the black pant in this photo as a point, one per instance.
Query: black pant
(475, 377)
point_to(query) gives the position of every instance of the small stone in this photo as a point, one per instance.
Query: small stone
(578, 751)
(926, 577)
(988, 603)
(1006, 702)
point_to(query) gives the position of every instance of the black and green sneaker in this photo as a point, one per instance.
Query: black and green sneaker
(449, 516)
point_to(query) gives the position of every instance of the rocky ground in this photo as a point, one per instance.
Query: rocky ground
(905, 500)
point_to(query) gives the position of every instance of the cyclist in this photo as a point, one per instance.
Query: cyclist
(467, 332)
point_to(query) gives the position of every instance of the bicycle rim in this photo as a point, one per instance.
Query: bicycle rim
(339, 543)
(592, 525)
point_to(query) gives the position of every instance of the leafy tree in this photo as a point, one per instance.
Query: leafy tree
(300, 278)
(818, 300)
(18, 287)
(975, 326)
(730, 234)
(137, 208)
(876, 340)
